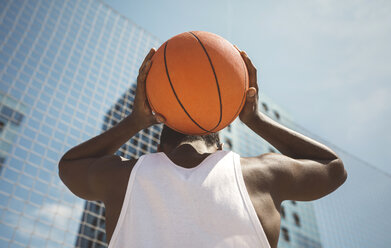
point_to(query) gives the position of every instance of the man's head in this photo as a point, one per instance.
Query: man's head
(170, 139)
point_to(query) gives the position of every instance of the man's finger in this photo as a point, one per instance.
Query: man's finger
(251, 95)
(237, 49)
(252, 71)
(160, 118)
(248, 61)
(141, 79)
(148, 57)
(144, 72)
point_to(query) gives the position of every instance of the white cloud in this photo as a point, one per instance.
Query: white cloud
(54, 215)
(57, 214)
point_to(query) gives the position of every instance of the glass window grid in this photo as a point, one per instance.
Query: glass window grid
(89, 129)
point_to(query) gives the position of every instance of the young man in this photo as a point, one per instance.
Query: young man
(192, 193)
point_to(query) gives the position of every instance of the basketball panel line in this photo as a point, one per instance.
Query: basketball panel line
(215, 75)
(176, 96)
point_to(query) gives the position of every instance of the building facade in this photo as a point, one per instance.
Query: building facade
(67, 71)
(62, 66)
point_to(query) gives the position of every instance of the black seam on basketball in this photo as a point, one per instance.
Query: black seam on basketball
(217, 82)
(244, 95)
(173, 90)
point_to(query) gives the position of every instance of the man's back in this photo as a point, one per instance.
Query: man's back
(167, 205)
(267, 210)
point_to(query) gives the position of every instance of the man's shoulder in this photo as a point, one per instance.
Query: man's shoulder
(111, 173)
(257, 170)
(262, 161)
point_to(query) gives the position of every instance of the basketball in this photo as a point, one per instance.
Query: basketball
(198, 82)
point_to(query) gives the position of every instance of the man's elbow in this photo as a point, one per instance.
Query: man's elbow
(338, 171)
(62, 170)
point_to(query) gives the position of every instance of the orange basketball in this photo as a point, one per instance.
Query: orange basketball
(198, 82)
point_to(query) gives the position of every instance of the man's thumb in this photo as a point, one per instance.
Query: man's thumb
(160, 118)
(251, 93)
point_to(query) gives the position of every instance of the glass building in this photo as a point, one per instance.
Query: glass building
(62, 66)
(67, 73)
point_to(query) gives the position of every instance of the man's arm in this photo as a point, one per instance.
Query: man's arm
(81, 167)
(306, 169)
(88, 168)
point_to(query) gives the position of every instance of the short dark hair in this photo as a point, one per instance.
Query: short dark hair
(173, 138)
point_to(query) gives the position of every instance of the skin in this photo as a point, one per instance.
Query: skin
(305, 170)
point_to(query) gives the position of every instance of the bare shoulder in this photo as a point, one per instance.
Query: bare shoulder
(259, 174)
(256, 172)
(95, 178)
(294, 179)
(258, 177)
(111, 176)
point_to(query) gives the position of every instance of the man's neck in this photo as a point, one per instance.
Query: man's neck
(190, 154)
(194, 147)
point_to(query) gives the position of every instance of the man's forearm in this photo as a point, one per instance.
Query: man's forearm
(289, 142)
(105, 143)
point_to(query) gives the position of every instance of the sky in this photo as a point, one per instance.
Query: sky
(326, 62)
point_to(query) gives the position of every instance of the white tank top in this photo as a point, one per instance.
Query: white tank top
(170, 206)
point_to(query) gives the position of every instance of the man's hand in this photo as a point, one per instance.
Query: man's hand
(250, 109)
(142, 112)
